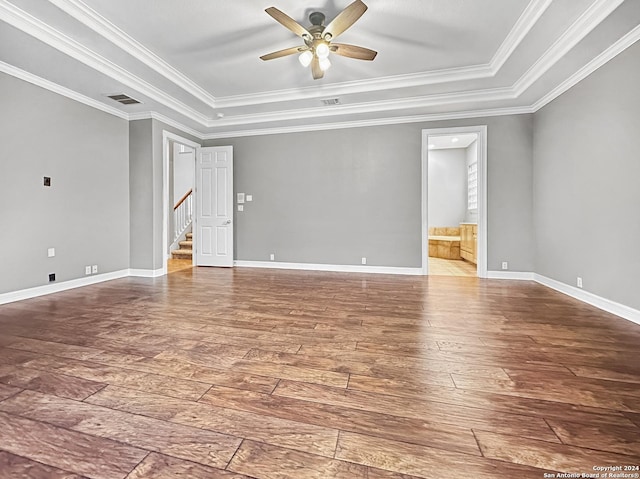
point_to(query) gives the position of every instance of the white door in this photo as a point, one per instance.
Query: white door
(214, 207)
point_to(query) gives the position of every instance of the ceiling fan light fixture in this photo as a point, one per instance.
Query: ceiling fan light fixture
(322, 51)
(325, 64)
(305, 58)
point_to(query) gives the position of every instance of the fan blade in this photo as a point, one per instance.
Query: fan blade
(353, 51)
(288, 22)
(283, 53)
(316, 71)
(345, 19)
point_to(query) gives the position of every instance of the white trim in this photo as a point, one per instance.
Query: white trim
(339, 268)
(147, 273)
(398, 120)
(60, 90)
(523, 26)
(35, 27)
(590, 19)
(92, 19)
(63, 286)
(152, 115)
(515, 275)
(599, 302)
(482, 247)
(610, 53)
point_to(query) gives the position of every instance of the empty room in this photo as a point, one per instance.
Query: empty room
(319, 239)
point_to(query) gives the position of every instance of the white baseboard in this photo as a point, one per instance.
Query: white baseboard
(338, 268)
(58, 287)
(147, 273)
(607, 305)
(519, 275)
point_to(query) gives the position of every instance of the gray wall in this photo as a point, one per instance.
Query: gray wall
(84, 215)
(334, 196)
(447, 192)
(586, 191)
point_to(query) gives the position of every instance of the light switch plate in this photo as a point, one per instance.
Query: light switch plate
(249, 198)
(240, 197)
(51, 252)
(240, 207)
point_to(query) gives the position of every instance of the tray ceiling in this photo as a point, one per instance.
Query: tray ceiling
(196, 64)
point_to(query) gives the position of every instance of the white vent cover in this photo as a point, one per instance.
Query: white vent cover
(331, 101)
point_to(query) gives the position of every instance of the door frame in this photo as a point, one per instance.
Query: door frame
(167, 136)
(481, 131)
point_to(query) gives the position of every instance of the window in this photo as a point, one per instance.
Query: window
(472, 187)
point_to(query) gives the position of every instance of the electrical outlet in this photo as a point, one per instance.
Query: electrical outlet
(240, 207)
(52, 277)
(364, 260)
(505, 265)
(272, 257)
(87, 270)
(94, 269)
(47, 181)
(240, 197)
(579, 282)
(51, 252)
(249, 198)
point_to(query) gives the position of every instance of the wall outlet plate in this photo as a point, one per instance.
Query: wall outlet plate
(94, 268)
(51, 252)
(240, 198)
(240, 207)
(579, 282)
(364, 260)
(272, 257)
(87, 270)
(52, 277)
(505, 265)
(47, 181)
(249, 198)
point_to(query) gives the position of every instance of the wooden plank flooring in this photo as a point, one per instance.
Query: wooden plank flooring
(266, 374)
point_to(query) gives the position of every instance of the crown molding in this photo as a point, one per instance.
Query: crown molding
(590, 19)
(459, 115)
(614, 50)
(369, 107)
(60, 90)
(152, 115)
(58, 40)
(92, 19)
(520, 30)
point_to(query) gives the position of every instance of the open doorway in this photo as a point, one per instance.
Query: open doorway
(453, 184)
(179, 202)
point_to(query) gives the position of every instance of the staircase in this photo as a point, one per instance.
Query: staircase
(186, 249)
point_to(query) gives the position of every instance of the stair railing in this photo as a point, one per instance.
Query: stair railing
(183, 214)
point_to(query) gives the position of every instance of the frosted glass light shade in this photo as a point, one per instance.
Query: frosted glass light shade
(305, 58)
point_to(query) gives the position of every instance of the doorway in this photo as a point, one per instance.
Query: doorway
(179, 202)
(454, 241)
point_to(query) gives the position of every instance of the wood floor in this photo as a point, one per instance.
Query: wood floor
(271, 374)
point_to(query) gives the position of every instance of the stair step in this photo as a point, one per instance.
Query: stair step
(182, 254)
(186, 244)
(189, 236)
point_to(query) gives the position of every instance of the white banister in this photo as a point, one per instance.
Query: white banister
(182, 214)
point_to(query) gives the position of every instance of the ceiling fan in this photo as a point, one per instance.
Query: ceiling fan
(318, 38)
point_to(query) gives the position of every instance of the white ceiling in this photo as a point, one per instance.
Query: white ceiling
(447, 142)
(196, 63)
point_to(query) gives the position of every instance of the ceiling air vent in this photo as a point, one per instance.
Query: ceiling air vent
(124, 99)
(331, 101)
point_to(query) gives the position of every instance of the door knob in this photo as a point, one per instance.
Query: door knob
(228, 222)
